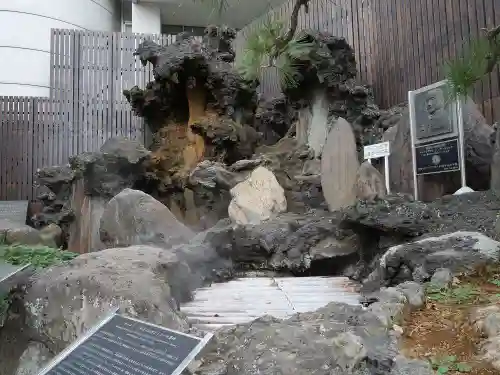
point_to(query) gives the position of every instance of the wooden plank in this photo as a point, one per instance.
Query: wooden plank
(425, 61)
(402, 85)
(376, 26)
(430, 44)
(73, 95)
(492, 12)
(10, 150)
(484, 89)
(3, 138)
(355, 35)
(408, 64)
(362, 42)
(100, 86)
(246, 299)
(443, 44)
(16, 150)
(386, 32)
(65, 138)
(21, 149)
(85, 87)
(30, 151)
(472, 13)
(116, 114)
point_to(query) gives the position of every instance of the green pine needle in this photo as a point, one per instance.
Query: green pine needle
(465, 71)
(266, 42)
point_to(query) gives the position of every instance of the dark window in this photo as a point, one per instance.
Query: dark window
(175, 29)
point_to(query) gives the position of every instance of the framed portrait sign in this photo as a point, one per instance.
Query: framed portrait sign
(437, 132)
(434, 114)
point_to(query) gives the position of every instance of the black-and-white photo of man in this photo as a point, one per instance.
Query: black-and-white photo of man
(432, 115)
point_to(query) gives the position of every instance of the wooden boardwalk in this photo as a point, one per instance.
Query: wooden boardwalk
(244, 300)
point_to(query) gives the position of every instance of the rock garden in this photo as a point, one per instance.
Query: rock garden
(235, 185)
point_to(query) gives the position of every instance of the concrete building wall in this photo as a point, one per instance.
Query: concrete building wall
(146, 18)
(25, 37)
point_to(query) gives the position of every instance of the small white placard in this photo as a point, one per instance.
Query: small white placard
(378, 150)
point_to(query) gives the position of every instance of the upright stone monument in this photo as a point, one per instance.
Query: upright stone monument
(339, 166)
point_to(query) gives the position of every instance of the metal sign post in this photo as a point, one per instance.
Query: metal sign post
(380, 150)
(461, 139)
(437, 133)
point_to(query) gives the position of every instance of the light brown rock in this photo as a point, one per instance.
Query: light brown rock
(258, 198)
(339, 166)
(370, 183)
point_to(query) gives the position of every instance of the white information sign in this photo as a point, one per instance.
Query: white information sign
(380, 150)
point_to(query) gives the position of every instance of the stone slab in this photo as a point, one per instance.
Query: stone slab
(14, 211)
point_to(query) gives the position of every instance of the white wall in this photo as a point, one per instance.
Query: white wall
(146, 18)
(25, 37)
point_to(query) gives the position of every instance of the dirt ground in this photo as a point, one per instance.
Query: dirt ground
(441, 331)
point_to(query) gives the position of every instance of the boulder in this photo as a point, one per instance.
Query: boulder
(273, 118)
(370, 184)
(297, 171)
(57, 179)
(258, 198)
(290, 243)
(418, 260)
(400, 215)
(15, 233)
(336, 339)
(442, 278)
(52, 233)
(339, 165)
(135, 218)
(65, 301)
(118, 165)
(34, 358)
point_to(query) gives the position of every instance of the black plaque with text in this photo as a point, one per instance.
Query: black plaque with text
(438, 157)
(125, 346)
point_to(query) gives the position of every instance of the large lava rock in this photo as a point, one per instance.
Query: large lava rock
(297, 243)
(188, 63)
(54, 194)
(337, 339)
(65, 301)
(401, 216)
(118, 165)
(328, 75)
(418, 260)
(133, 217)
(273, 119)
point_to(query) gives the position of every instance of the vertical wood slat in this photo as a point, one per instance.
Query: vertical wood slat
(9, 166)
(402, 46)
(3, 145)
